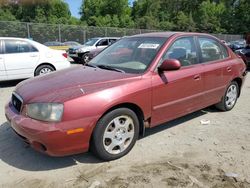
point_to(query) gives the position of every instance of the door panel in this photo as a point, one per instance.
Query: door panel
(213, 59)
(176, 93)
(214, 85)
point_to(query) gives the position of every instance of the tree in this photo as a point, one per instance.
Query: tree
(241, 17)
(184, 22)
(209, 16)
(107, 13)
(46, 11)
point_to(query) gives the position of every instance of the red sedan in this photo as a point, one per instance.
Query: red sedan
(140, 81)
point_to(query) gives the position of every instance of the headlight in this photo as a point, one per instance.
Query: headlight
(80, 50)
(51, 112)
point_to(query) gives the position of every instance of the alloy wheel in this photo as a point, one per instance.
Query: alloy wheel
(231, 96)
(45, 70)
(119, 134)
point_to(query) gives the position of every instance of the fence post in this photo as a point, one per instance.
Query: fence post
(28, 30)
(84, 35)
(106, 31)
(59, 32)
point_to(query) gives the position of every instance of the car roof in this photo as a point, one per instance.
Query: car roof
(168, 34)
(105, 38)
(14, 38)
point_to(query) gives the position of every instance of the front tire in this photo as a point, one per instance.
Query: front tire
(230, 97)
(85, 58)
(115, 134)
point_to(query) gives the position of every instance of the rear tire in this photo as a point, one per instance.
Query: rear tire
(230, 97)
(44, 69)
(115, 134)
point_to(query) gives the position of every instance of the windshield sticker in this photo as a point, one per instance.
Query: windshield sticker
(149, 46)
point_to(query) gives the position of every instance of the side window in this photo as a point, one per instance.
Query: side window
(211, 50)
(15, 46)
(111, 41)
(184, 50)
(33, 48)
(224, 51)
(103, 42)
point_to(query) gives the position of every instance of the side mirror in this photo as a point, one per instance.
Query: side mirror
(170, 64)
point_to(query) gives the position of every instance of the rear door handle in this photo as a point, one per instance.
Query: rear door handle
(33, 55)
(229, 69)
(197, 77)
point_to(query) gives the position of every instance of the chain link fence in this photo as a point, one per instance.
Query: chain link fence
(48, 32)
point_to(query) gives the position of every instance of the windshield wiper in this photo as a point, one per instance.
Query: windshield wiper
(90, 65)
(110, 68)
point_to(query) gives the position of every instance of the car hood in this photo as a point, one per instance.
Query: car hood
(70, 83)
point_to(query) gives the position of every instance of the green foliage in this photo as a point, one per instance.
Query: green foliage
(106, 13)
(5, 14)
(211, 16)
(46, 11)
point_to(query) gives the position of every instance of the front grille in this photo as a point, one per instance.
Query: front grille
(17, 102)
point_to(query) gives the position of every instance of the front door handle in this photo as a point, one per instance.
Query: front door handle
(229, 69)
(197, 77)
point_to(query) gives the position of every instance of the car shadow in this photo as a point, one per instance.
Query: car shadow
(18, 154)
(179, 121)
(12, 83)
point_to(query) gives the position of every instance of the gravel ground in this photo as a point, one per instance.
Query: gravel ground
(181, 153)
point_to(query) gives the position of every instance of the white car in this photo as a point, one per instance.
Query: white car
(24, 58)
(79, 53)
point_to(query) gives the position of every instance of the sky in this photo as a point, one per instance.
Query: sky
(74, 6)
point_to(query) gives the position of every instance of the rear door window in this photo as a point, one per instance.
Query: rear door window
(211, 50)
(103, 42)
(111, 41)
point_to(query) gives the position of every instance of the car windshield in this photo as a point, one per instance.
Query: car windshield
(131, 55)
(91, 42)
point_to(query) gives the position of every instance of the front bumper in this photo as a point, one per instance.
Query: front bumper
(51, 138)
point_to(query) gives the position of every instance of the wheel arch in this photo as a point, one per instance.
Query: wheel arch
(83, 53)
(42, 65)
(135, 108)
(239, 82)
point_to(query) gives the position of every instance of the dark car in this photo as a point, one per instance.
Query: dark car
(53, 43)
(245, 55)
(138, 82)
(236, 45)
(91, 54)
